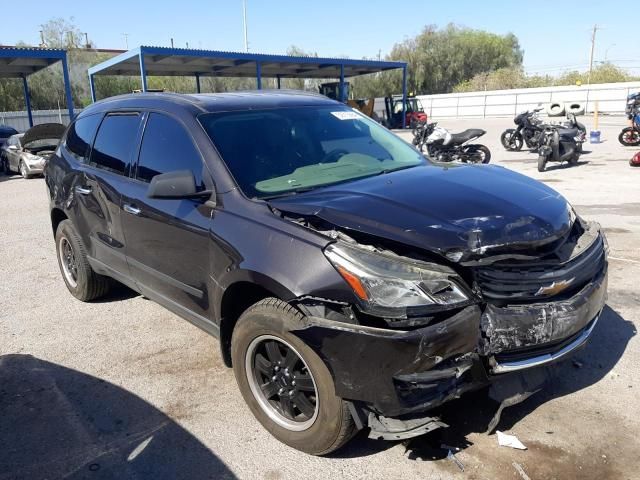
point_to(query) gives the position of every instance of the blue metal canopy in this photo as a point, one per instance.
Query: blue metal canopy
(161, 61)
(19, 62)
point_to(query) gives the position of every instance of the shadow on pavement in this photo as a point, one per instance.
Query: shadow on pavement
(117, 293)
(60, 423)
(472, 412)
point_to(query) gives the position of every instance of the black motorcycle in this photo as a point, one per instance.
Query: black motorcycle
(529, 130)
(559, 144)
(443, 146)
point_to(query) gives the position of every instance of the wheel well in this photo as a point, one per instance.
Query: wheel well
(57, 216)
(236, 299)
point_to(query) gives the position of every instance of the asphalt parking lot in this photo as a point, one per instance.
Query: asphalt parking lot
(122, 388)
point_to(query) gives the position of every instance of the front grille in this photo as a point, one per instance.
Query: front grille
(526, 281)
(525, 353)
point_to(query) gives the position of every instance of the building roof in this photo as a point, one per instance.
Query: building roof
(191, 62)
(17, 62)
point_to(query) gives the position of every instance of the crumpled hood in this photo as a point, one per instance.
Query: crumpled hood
(459, 211)
(41, 132)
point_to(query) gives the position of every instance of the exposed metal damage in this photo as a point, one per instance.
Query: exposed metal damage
(394, 370)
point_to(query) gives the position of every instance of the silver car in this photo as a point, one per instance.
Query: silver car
(28, 152)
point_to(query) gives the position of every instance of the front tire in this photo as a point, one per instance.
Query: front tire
(23, 171)
(78, 276)
(285, 384)
(511, 140)
(542, 162)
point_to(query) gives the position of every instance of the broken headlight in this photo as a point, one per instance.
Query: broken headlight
(390, 286)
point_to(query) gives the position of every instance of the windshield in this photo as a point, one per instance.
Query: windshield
(280, 151)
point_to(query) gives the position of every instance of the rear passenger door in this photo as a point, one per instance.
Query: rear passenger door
(168, 239)
(98, 188)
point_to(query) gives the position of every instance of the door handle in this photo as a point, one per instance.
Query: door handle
(131, 209)
(83, 190)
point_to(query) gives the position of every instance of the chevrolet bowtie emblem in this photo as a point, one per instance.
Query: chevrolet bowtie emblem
(555, 287)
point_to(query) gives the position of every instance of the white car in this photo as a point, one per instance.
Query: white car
(28, 152)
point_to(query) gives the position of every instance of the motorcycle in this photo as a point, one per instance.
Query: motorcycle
(529, 130)
(630, 136)
(559, 144)
(444, 146)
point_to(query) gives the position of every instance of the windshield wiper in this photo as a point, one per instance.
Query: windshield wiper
(289, 193)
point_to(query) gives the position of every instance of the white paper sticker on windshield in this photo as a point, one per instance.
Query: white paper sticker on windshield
(345, 115)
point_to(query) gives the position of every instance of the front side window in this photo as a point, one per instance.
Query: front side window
(80, 136)
(279, 151)
(115, 142)
(167, 147)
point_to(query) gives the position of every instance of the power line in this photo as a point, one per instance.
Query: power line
(593, 46)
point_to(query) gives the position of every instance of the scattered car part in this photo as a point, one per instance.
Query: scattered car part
(575, 108)
(555, 109)
(635, 160)
(511, 441)
(451, 456)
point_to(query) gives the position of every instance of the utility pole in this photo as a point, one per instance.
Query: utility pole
(171, 42)
(593, 46)
(244, 21)
(126, 40)
(86, 40)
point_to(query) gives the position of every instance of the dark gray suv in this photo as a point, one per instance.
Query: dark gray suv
(352, 282)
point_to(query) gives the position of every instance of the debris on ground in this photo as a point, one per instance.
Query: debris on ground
(506, 440)
(455, 460)
(521, 471)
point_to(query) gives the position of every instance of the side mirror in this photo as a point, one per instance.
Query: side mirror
(178, 184)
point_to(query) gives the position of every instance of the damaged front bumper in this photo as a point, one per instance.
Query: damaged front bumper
(399, 374)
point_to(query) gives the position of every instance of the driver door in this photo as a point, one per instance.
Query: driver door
(167, 240)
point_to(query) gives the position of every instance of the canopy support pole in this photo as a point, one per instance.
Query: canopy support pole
(27, 99)
(92, 88)
(259, 75)
(67, 86)
(143, 73)
(404, 97)
(278, 78)
(341, 89)
(198, 82)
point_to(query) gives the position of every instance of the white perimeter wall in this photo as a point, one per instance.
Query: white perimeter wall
(20, 120)
(610, 98)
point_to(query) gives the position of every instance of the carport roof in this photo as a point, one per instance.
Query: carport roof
(190, 62)
(19, 62)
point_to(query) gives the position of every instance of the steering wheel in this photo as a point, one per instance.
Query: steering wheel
(336, 152)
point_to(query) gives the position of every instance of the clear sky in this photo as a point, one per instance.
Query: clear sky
(554, 34)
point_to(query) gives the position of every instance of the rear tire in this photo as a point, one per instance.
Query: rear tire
(265, 324)
(629, 137)
(542, 162)
(78, 276)
(478, 154)
(511, 140)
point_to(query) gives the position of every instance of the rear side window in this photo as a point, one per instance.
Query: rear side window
(167, 147)
(80, 136)
(115, 142)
